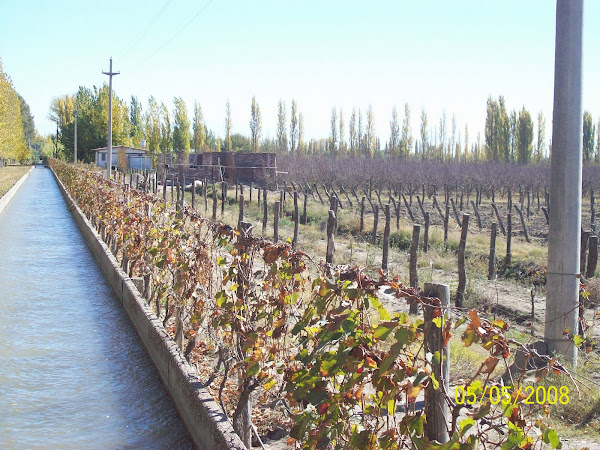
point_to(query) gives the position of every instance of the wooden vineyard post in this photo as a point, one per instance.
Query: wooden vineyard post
(296, 220)
(164, 186)
(172, 187)
(446, 220)
(585, 235)
(205, 194)
(251, 189)
(414, 253)
(523, 223)
(193, 193)
(265, 209)
(276, 221)
(331, 220)
(258, 196)
(592, 262)
(426, 233)
(508, 240)
(502, 229)
(333, 202)
(593, 211)
(362, 215)
(436, 408)
(304, 213)
(477, 215)
(223, 196)
(375, 223)
(492, 258)
(386, 238)
(215, 204)
(241, 217)
(462, 272)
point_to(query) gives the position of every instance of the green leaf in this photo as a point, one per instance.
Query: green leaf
(465, 425)
(550, 437)
(221, 261)
(221, 298)
(383, 330)
(253, 369)
(437, 322)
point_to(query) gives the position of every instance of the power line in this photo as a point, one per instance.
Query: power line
(145, 30)
(178, 32)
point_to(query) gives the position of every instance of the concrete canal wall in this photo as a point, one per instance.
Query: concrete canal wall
(6, 198)
(206, 423)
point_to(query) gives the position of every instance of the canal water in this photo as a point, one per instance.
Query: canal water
(73, 373)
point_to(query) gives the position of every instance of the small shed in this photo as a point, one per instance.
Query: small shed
(123, 157)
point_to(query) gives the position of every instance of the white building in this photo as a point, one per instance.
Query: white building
(134, 158)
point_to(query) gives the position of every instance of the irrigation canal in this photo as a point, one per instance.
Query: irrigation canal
(73, 372)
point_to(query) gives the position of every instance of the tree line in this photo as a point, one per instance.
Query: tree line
(507, 137)
(17, 130)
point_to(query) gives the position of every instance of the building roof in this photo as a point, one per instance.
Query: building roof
(116, 147)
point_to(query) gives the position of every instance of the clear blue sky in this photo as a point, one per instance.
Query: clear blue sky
(433, 54)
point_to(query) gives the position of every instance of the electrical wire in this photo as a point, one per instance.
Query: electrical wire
(178, 32)
(146, 28)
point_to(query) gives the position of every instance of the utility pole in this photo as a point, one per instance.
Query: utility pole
(110, 74)
(562, 297)
(75, 143)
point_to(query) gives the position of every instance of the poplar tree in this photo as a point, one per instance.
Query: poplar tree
(333, 137)
(442, 132)
(424, 132)
(589, 134)
(153, 126)
(198, 129)
(342, 147)
(394, 144)
(370, 138)
(301, 143)
(294, 128)
(166, 134)
(353, 134)
(255, 125)
(541, 137)
(228, 146)
(524, 137)
(136, 130)
(181, 126)
(406, 139)
(282, 141)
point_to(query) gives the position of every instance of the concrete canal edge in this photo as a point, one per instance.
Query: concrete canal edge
(203, 418)
(6, 198)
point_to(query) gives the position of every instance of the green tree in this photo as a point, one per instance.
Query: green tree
(443, 132)
(294, 127)
(513, 121)
(301, 143)
(228, 143)
(524, 137)
(353, 131)
(198, 129)
(255, 125)
(136, 119)
(181, 126)
(541, 137)
(166, 133)
(370, 138)
(282, 141)
(394, 143)
(27, 120)
(153, 126)
(342, 148)
(333, 136)
(589, 135)
(424, 132)
(12, 135)
(406, 138)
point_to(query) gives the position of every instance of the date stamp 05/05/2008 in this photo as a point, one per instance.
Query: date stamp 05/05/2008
(529, 395)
